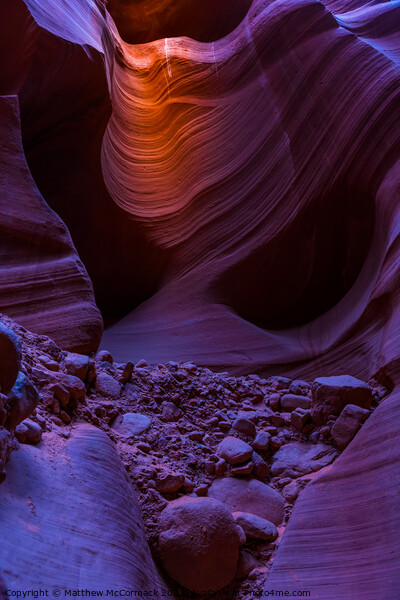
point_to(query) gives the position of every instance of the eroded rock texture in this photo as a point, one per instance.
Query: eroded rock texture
(76, 496)
(251, 165)
(249, 203)
(266, 163)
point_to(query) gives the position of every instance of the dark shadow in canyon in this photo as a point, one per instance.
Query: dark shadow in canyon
(307, 268)
(65, 108)
(142, 21)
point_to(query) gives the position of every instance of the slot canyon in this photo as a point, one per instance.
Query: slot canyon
(200, 299)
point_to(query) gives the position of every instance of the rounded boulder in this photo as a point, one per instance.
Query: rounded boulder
(199, 543)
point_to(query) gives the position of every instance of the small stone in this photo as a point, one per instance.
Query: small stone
(275, 442)
(221, 467)
(347, 425)
(300, 417)
(65, 418)
(209, 466)
(244, 469)
(196, 436)
(170, 412)
(224, 425)
(300, 387)
(273, 401)
(41, 420)
(242, 535)
(246, 564)
(291, 401)
(49, 363)
(60, 393)
(141, 364)
(262, 441)
(234, 451)
(244, 426)
(131, 424)
(256, 527)
(92, 373)
(107, 386)
(77, 365)
(169, 482)
(56, 420)
(74, 386)
(325, 431)
(201, 490)
(104, 356)
(291, 491)
(21, 432)
(99, 410)
(55, 407)
(188, 486)
(261, 469)
(126, 373)
(314, 437)
(21, 400)
(143, 447)
(277, 420)
(279, 383)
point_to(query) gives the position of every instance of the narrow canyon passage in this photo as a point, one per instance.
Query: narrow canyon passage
(199, 296)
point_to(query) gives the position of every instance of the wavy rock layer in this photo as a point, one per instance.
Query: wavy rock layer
(339, 542)
(73, 504)
(43, 283)
(265, 163)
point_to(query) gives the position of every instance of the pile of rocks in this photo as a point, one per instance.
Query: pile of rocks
(200, 447)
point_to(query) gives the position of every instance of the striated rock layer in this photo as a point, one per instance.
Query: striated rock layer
(340, 539)
(43, 283)
(266, 162)
(257, 166)
(262, 169)
(72, 503)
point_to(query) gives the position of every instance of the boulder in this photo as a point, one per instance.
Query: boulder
(234, 451)
(170, 412)
(244, 469)
(246, 564)
(104, 356)
(77, 365)
(74, 386)
(300, 387)
(169, 482)
(28, 432)
(10, 358)
(199, 543)
(245, 426)
(6, 447)
(250, 496)
(291, 491)
(296, 458)
(261, 468)
(277, 382)
(349, 422)
(261, 441)
(130, 424)
(331, 394)
(106, 385)
(21, 401)
(290, 402)
(256, 527)
(300, 417)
